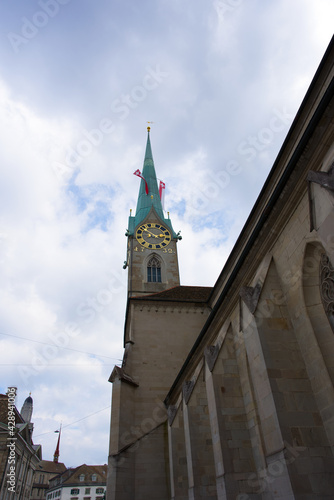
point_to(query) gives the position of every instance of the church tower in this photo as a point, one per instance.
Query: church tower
(151, 251)
(162, 321)
(26, 413)
(27, 408)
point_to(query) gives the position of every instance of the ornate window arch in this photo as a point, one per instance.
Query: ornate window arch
(318, 285)
(154, 270)
(327, 287)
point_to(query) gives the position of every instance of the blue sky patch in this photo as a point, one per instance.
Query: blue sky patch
(100, 217)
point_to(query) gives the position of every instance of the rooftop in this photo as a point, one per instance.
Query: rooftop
(180, 293)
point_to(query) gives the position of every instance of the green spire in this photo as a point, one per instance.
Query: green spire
(146, 202)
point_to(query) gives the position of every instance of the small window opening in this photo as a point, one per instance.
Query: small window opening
(154, 270)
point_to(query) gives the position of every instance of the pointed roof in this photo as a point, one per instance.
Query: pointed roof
(146, 201)
(150, 201)
(56, 453)
(27, 409)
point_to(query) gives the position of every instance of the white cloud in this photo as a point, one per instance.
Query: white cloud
(62, 243)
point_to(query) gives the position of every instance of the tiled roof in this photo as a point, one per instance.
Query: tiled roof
(4, 411)
(50, 466)
(71, 476)
(181, 293)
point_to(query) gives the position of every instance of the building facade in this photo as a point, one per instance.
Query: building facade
(86, 482)
(19, 456)
(45, 471)
(228, 393)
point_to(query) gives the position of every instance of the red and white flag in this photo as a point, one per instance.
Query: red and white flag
(138, 174)
(162, 187)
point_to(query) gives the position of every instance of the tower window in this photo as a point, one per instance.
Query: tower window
(154, 270)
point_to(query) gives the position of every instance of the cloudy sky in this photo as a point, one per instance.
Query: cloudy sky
(221, 80)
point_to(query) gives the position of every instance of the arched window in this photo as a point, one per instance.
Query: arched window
(327, 287)
(154, 270)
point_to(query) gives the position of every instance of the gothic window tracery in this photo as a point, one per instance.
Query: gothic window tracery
(154, 270)
(327, 287)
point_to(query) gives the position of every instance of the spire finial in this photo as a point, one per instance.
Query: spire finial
(149, 128)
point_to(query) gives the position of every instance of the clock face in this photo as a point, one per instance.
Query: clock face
(153, 236)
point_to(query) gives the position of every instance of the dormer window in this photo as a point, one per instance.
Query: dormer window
(94, 477)
(154, 270)
(82, 478)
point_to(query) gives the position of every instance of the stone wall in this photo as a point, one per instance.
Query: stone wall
(263, 403)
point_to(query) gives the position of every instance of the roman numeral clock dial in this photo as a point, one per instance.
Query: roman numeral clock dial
(153, 236)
